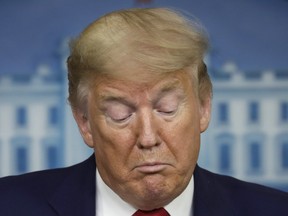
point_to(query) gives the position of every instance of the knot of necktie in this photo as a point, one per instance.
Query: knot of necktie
(155, 212)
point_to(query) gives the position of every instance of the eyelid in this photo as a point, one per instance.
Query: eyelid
(169, 104)
(122, 120)
(117, 110)
(168, 113)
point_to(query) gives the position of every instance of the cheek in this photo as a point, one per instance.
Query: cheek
(187, 139)
(183, 139)
(112, 150)
(111, 140)
(112, 145)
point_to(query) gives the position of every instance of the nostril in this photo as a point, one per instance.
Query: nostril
(148, 140)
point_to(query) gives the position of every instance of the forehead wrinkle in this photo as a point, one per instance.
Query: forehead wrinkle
(168, 87)
(124, 96)
(153, 91)
(110, 97)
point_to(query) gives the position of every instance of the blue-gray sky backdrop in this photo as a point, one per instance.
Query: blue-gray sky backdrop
(252, 33)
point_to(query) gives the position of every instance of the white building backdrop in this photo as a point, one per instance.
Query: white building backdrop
(248, 134)
(247, 137)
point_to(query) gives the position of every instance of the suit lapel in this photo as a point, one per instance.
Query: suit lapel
(76, 195)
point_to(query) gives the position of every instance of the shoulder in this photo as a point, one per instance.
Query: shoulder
(33, 182)
(241, 196)
(35, 188)
(41, 181)
(23, 193)
(237, 186)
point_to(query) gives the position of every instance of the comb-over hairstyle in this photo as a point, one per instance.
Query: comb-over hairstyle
(159, 40)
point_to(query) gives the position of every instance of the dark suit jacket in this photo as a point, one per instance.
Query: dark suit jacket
(71, 192)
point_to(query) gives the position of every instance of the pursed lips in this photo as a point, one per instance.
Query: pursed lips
(151, 167)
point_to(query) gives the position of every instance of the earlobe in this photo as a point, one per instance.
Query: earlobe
(84, 127)
(205, 114)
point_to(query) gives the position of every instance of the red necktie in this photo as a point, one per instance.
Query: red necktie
(155, 212)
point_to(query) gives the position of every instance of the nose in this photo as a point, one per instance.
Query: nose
(148, 134)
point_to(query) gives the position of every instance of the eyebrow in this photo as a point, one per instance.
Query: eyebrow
(175, 84)
(110, 97)
(162, 90)
(169, 87)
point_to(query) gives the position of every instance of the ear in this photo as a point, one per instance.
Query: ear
(205, 113)
(84, 127)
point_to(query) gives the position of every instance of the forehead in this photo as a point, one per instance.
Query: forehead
(176, 81)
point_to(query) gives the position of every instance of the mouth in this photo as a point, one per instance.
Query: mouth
(151, 168)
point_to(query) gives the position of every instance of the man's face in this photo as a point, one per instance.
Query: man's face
(146, 137)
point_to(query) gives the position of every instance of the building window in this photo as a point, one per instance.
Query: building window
(21, 159)
(52, 156)
(284, 112)
(253, 112)
(255, 157)
(52, 147)
(284, 155)
(223, 113)
(21, 153)
(21, 116)
(255, 144)
(53, 116)
(225, 158)
(225, 145)
(282, 140)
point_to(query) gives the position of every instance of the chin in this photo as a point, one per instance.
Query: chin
(156, 192)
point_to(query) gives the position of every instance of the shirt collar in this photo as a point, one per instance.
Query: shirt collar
(109, 203)
(182, 205)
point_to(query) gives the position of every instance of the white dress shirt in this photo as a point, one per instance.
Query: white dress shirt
(108, 203)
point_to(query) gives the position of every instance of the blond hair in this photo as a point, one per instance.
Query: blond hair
(159, 40)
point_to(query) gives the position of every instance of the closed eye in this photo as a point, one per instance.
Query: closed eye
(168, 112)
(117, 111)
(120, 119)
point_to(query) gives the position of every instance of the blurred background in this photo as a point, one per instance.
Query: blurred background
(247, 61)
